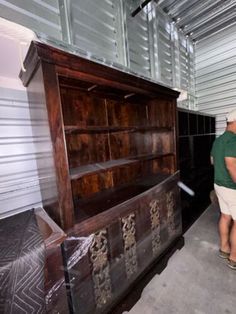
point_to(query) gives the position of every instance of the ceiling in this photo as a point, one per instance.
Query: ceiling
(200, 18)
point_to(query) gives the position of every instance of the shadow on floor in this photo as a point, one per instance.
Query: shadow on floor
(135, 292)
(191, 212)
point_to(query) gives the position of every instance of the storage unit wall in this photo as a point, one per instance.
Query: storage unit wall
(114, 143)
(196, 136)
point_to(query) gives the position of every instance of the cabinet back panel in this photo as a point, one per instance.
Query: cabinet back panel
(165, 165)
(127, 174)
(131, 144)
(100, 202)
(94, 183)
(126, 113)
(91, 184)
(162, 143)
(82, 108)
(125, 144)
(121, 145)
(160, 113)
(207, 124)
(86, 149)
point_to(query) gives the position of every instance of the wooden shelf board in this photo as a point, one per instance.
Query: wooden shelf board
(107, 199)
(76, 173)
(70, 129)
(79, 172)
(150, 156)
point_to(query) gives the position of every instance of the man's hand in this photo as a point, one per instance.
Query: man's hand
(212, 161)
(230, 163)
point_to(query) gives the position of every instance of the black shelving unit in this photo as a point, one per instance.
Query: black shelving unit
(196, 136)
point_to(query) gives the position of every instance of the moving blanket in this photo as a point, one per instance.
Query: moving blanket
(22, 257)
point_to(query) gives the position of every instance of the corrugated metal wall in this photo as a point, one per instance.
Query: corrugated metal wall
(216, 75)
(146, 43)
(163, 31)
(19, 183)
(25, 154)
(187, 70)
(95, 28)
(39, 15)
(25, 146)
(138, 32)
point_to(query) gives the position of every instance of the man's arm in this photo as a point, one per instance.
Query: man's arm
(231, 167)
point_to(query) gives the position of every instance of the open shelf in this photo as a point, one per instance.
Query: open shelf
(102, 201)
(76, 173)
(79, 172)
(70, 129)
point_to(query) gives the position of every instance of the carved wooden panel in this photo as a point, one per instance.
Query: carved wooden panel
(170, 203)
(128, 233)
(155, 225)
(125, 240)
(100, 268)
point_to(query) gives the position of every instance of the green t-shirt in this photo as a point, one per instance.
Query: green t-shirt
(223, 146)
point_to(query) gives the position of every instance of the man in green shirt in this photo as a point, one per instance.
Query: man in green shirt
(223, 157)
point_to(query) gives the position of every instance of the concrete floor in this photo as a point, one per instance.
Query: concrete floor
(196, 280)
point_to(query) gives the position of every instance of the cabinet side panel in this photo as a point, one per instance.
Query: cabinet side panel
(175, 164)
(65, 212)
(43, 149)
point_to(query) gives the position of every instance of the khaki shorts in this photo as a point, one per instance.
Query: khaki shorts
(227, 200)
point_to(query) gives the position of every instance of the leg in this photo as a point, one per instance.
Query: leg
(224, 228)
(225, 218)
(233, 242)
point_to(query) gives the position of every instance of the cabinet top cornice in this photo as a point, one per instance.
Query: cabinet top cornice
(68, 64)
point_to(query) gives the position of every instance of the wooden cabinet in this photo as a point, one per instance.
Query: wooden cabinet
(114, 144)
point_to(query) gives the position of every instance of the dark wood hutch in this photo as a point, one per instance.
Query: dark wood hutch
(114, 146)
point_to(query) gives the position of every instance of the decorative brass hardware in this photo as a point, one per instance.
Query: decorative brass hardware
(101, 268)
(170, 211)
(155, 225)
(128, 229)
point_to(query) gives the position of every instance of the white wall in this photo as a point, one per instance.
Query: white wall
(25, 145)
(216, 75)
(19, 184)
